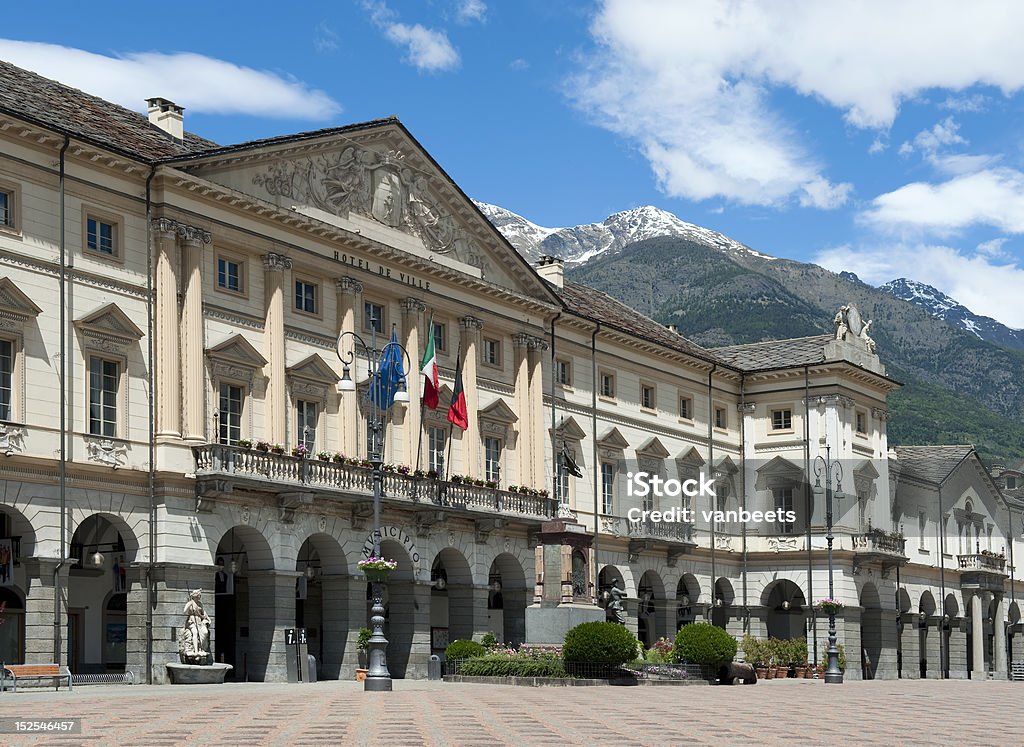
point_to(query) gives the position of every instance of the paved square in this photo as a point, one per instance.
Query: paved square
(432, 713)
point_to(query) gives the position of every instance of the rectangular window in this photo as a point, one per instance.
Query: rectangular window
(305, 426)
(922, 526)
(1011, 483)
(784, 502)
(305, 297)
(436, 441)
(607, 385)
(491, 351)
(440, 337)
(782, 420)
(6, 208)
(101, 236)
(373, 317)
(862, 423)
(647, 397)
(492, 459)
(230, 414)
(563, 372)
(686, 408)
(721, 420)
(229, 275)
(6, 378)
(104, 377)
(607, 488)
(562, 476)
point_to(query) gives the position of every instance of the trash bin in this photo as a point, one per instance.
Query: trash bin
(312, 668)
(434, 667)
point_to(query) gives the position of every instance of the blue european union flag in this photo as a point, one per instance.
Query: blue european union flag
(390, 375)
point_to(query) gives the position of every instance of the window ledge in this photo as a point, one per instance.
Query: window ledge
(781, 432)
(607, 400)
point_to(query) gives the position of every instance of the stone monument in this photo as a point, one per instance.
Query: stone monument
(564, 593)
(196, 666)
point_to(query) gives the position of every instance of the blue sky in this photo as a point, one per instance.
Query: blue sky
(871, 136)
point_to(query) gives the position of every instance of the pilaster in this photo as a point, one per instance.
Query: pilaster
(271, 610)
(192, 242)
(337, 622)
(524, 440)
(977, 639)
(412, 316)
(470, 331)
(39, 622)
(536, 347)
(274, 266)
(166, 366)
(999, 639)
(348, 290)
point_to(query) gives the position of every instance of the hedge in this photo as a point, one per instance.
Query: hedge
(463, 649)
(703, 643)
(501, 665)
(600, 643)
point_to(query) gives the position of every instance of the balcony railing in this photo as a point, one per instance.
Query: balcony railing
(880, 542)
(981, 562)
(292, 472)
(664, 530)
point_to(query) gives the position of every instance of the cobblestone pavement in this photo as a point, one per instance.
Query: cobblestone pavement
(433, 713)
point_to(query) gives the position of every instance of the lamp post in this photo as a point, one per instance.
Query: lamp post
(378, 678)
(829, 469)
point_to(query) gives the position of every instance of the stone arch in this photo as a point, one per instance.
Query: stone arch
(903, 604)
(652, 608)
(869, 598)
(687, 599)
(929, 638)
(926, 605)
(722, 603)
(322, 601)
(14, 523)
(507, 599)
(785, 603)
(12, 632)
(610, 572)
(951, 606)
(871, 633)
(451, 603)
(244, 630)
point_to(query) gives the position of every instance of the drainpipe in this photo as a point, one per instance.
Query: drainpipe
(711, 468)
(943, 646)
(554, 425)
(150, 594)
(62, 465)
(809, 503)
(593, 429)
(743, 494)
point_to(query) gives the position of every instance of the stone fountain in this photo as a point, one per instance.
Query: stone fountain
(196, 666)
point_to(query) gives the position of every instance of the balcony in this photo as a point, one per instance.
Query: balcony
(879, 548)
(982, 571)
(647, 534)
(222, 469)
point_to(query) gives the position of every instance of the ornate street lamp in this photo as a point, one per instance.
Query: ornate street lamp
(386, 387)
(829, 469)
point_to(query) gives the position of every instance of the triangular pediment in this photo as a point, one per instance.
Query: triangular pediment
(726, 466)
(569, 430)
(691, 457)
(236, 349)
(314, 368)
(14, 304)
(376, 180)
(498, 411)
(653, 447)
(111, 323)
(613, 439)
(780, 466)
(866, 470)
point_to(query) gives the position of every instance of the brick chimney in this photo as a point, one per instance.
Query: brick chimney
(551, 269)
(168, 116)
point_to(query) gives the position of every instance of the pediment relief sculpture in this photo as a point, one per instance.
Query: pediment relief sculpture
(378, 185)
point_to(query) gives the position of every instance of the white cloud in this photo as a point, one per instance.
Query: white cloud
(944, 133)
(468, 11)
(991, 197)
(878, 145)
(994, 248)
(325, 40)
(981, 284)
(974, 103)
(199, 83)
(426, 49)
(519, 64)
(690, 83)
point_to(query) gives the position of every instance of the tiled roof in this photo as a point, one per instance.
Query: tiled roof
(592, 304)
(759, 356)
(930, 463)
(46, 102)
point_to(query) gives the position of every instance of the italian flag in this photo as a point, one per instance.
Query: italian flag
(428, 368)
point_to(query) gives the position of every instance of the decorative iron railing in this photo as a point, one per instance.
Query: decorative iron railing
(291, 471)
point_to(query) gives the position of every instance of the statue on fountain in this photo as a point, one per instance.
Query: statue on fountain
(194, 636)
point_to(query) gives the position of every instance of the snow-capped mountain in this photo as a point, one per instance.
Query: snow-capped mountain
(578, 244)
(937, 303)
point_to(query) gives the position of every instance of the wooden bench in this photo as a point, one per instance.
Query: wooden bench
(16, 672)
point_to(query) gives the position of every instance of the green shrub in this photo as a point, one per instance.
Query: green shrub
(703, 643)
(363, 642)
(799, 651)
(600, 643)
(503, 665)
(754, 650)
(463, 650)
(489, 641)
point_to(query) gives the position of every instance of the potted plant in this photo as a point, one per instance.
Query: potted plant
(403, 469)
(262, 446)
(301, 451)
(830, 606)
(338, 458)
(323, 456)
(277, 449)
(784, 649)
(432, 474)
(245, 443)
(377, 569)
(753, 652)
(455, 479)
(799, 648)
(363, 653)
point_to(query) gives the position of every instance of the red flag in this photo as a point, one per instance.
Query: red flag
(457, 414)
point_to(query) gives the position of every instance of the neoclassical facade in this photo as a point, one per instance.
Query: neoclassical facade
(169, 317)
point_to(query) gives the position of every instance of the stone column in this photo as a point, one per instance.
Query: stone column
(348, 290)
(412, 315)
(977, 639)
(471, 327)
(167, 366)
(999, 639)
(336, 623)
(271, 610)
(192, 370)
(276, 398)
(910, 647)
(537, 347)
(358, 617)
(957, 650)
(524, 439)
(39, 622)
(934, 649)
(409, 606)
